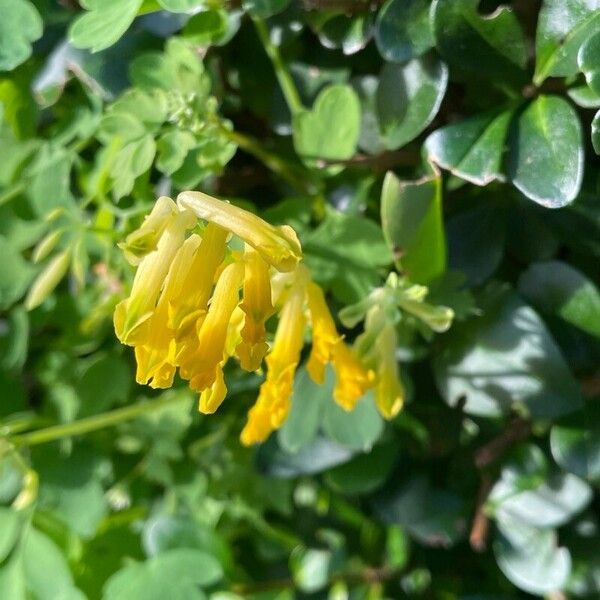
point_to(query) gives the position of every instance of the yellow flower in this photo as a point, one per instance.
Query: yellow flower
(273, 403)
(131, 313)
(279, 246)
(352, 378)
(201, 368)
(258, 307)
(389, 391)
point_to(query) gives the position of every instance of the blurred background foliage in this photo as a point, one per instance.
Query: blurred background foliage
(451, 140)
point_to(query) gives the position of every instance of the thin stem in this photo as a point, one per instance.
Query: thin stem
(288, 87)
(12, 193)
(94, 423)
(293, 175)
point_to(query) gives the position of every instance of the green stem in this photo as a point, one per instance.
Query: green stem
(95, 422)
(288, 87)
(12, 193)
(293, 175)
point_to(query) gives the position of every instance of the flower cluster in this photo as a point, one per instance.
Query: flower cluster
(209, 276)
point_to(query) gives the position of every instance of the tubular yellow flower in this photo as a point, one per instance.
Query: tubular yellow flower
(257, 307)
(212, 397)
(132, 312)
(273, 403)
(352, 379)
(202, 370)
(279, 246)
(325, 335)
(389, 392)
(156, 356)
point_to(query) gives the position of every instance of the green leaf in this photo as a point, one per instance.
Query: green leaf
(358, 429)
(173, 147)
(403, 30)
(134, 159)
(321, 454)
(344, 254)
(182, 6)
(20, 26)
(46, 570)
(365, 473)
(302, 424)
(550, 504)
(408, 98)
(588, 59)
(311, 568)
(490, 45)
(563, 26)
(264, 8)
(433, 517)
(11, 523)
(596, 133)
(72, 490)
(171, 574)
(531, 558)
(575, 443)
(15, 274)
(505, 357)
(207, 27)
(557, 288)
(545, 159)
(104, 24)
(476, 241)
(472, 149)
(330, 130)
(411, 218)
(351, 34)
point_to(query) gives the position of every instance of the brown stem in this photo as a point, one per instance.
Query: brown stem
(380, 162)
(518, 430)
(481, 522)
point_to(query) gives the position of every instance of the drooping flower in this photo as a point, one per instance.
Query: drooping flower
(198, 301)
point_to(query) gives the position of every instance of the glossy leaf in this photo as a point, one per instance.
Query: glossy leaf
(555, 287)
(504, 357)
(545, 159)
(563, 26)
(403, 30)
(408, 98)
(490, 45)
(472, 149)
(588, 59)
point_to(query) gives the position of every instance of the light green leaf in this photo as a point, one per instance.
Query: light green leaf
(173, 147)
(330, 130)
(173, 574)
(15, 273)
(411, 218)
(133, 160)
(20, 26)
(403, 30)
(104, 24)
(408, 98)
(588, 60)
(545, 159)
(182, 6)
(472, 149)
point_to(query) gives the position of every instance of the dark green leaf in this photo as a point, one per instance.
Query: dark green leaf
(546, 152)
(506, 357)
(491, 45)
(563, 26)
(555, 287)
(472, 149)
(588, 60)
(408, 98)
(403, 30)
